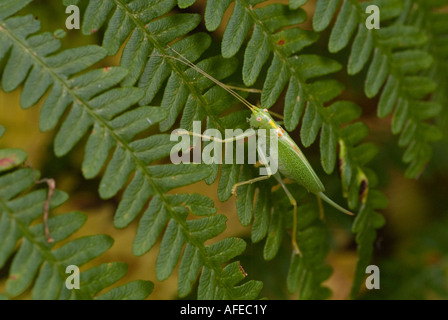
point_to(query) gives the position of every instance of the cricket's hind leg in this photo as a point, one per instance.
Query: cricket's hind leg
(293, 202)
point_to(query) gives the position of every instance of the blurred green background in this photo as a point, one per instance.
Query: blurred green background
(411, 250)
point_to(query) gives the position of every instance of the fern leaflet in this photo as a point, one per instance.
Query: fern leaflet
(92, 100)
(38, 260)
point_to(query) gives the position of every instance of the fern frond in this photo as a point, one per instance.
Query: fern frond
(91, 100)
(399, 60)
(37, 263)
(307, 96)
(149, 32)
(435, 23)
(307, 272)
(307, 93)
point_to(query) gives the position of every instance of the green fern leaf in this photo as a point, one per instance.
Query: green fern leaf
(365, 225)
(245, 198)
(398, 62)
(261, 216)
(185, 3)
(10, 7)
(328, 145)
(343, 28)
(214, 12)
(189, 270)
(176, 94)
(307, 272)
(361, 50)
(236, 31)
(389, 97)
(36, 263)
(377, 74)
(11, 158)
(150, 227)
(276, 80)
(397, 58)
(294, 104)
(157, 71)
(103, 276)
(325, 10)
(220, 252)
(257, 47)
(295, 4)
(311, 125)
(181, 92)
(85, 95)
(135, 290)
(307, 93)
(170, 249)
(229, 177)
(401, 62)
(274, 237)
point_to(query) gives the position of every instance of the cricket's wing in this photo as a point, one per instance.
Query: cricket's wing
(293, 164)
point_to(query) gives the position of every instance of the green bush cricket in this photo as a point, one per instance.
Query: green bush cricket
(292, 163)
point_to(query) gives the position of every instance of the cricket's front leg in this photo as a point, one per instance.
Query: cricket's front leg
(236, 185)
(268, 171)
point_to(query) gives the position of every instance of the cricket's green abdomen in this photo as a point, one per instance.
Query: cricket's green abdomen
(296, 167)
(291, 161)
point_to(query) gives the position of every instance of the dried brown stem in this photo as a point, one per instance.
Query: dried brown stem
(51, 187)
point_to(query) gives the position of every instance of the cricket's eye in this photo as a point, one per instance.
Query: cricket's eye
(265, 110)
(258, 119)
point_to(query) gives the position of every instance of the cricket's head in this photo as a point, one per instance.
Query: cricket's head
(260, 118)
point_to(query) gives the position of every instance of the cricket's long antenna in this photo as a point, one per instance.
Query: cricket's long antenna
(222, 85)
